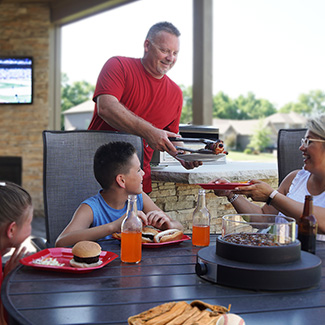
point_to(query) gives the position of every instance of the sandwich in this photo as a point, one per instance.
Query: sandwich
(168, 235)
(153, 235)
(86, 254)
(148, 234)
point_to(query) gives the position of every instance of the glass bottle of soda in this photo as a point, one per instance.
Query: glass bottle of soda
(201, 222)
(307, 227)
(131, 229)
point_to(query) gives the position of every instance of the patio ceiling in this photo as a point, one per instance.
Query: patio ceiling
(67, 11)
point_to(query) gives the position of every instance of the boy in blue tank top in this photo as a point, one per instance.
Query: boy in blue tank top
(118, 170)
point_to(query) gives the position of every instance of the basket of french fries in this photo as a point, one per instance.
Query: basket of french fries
(180, 313)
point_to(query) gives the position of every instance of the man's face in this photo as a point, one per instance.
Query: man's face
(161, 54)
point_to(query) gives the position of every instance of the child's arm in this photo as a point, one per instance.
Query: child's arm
(79, 228)
(156, 217)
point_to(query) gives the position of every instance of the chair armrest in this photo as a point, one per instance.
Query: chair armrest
(39, 243)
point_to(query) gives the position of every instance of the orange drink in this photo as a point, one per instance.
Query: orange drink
(131, 247)
(201, 235)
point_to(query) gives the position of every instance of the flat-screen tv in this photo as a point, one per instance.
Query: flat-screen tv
(16, 80)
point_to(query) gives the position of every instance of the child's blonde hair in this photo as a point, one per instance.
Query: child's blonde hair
(13, 202)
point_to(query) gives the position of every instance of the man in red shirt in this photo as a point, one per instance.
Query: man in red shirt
(136, 96)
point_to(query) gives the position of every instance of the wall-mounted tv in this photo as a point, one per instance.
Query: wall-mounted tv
(16, 80)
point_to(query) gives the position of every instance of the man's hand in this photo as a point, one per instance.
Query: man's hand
(158, 140)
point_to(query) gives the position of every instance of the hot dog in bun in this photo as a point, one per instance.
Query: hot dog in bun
(148, 234)
(168, 235)
(86, 254)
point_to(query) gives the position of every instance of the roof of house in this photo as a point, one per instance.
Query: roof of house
(248, 127)
(85, 107)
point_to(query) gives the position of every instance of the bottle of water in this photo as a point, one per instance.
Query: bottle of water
(131, 243)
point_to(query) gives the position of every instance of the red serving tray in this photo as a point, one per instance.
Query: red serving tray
(64, 255)
(222, 186)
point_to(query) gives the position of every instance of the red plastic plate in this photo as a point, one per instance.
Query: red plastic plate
(155, 245)
(223, 186)
(174, 242)
(64, 255)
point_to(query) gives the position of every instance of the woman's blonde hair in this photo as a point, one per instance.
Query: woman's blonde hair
(316, 125)
(13, 202)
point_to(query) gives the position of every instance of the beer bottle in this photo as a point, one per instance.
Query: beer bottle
(201, 222)
(307, 227)
(131, 229)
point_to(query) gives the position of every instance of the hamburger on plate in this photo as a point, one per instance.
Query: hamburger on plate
(86, 254)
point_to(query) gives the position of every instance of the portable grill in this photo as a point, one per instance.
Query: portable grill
(280, 266)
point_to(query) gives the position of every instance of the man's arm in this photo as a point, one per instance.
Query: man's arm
(122, 119)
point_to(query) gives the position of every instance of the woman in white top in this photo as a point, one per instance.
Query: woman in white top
(289, 198)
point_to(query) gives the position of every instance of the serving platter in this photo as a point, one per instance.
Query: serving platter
(223, 186)
(63, 256)
(204, 157)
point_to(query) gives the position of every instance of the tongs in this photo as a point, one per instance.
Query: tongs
(205, 141)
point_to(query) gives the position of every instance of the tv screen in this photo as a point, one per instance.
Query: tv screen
(16, 80)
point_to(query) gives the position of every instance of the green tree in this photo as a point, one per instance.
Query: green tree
(251, 108)
(311, 103)
(224, 107)
(242, 108)
(187, 113)
(75, 94)
(261, 138)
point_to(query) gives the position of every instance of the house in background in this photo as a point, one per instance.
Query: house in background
(79, 117)
(237, 133)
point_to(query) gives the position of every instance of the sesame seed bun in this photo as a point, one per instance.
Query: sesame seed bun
(86, 254)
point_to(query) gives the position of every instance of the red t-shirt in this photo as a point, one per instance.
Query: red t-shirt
(158, 101)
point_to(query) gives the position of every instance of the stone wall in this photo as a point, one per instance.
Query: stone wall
(179, 201)
(24, 31)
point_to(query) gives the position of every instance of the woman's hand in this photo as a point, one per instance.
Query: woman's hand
(226, 193)
(259, 191)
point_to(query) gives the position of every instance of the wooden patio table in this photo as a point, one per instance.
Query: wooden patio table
(113, 293)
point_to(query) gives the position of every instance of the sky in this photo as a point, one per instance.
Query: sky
(272, 48)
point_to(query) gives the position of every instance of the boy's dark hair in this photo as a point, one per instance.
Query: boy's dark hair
(110, 160)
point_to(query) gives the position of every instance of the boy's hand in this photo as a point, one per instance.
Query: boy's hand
(159, 219)
(143, 218)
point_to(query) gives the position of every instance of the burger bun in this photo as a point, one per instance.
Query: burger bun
(86, 254)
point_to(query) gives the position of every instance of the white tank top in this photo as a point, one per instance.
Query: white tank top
(298, 189)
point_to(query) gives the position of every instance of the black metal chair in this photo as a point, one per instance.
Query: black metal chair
(289, 155)
(68, 176)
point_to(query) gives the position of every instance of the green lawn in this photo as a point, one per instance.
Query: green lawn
(262, 157)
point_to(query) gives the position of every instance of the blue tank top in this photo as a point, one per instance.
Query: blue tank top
(104, 214)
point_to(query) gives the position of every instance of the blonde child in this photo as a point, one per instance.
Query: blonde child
(16, 215)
